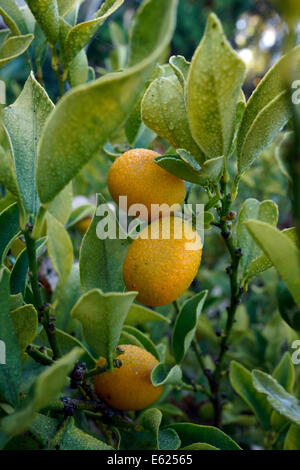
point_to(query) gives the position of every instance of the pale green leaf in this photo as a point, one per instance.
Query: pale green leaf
(60, 247)
(139, 314)
(186, 325)
(163, 111)
(292, 439)
(47, 15)
(266, 211)
(25, 321)
(13, 47)
(213, 88)
(144, 340)
(181, 67)
(190, 433)
(102, 317)
(9, 228)
(281, 251)
(24, 121)
(12, 10)
(61, 206)
(8, 173)
(282, 401)
(241, 381)
(163, 375)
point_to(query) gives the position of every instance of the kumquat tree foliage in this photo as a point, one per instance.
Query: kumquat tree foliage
(122, 328)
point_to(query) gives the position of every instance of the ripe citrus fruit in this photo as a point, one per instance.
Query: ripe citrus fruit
(129, 388)
(161, 266)
(135, 175)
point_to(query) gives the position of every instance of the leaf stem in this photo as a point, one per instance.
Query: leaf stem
(39, 356)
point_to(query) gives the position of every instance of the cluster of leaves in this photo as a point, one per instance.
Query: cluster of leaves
(213, 136)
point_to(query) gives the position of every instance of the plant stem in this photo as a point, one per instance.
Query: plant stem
(60, 76)
(38, 302)
(39, 356)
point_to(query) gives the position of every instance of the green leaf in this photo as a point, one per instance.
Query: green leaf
(213, 88)
(166, 439)
(80, 213)
(67, 296)
(163, 375)
(282, 401)
(267, 111)
(284, 372)
(47, 15)
(181, 68)
(266, 211)
(180, 166)
(8, 173)
(163, 111)
(24, 121)
(288, 309)
(143, 339)
(101, 259)
(281, 251)
(12, 10)
(193, 433)
(199, 446)
(262, 262)
(186, 325)
(292, 439)
(98, 110)
(13, 47)
(10, 372)
(241, 381)
(153, 24)
(9, 228)
(102, 317)
(45, 390)
(139, 314)
(81, 34)
(61, 206)
(10, 22)
(25, 322)
(60, 248)
(79, 69)
(64, 6)
(70, 437)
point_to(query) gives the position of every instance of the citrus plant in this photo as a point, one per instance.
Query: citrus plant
(115, 343)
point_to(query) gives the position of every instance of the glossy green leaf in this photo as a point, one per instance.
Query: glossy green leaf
(13, 47)
(60, 247)
(12, 10)
(213, 88)
(186, 325)
(24, 121)
(9, 228)
(25, 322)
(284, 373)
(98, 110)
(190, 433)
(139, 314)
(153, 22)
(241, 381)
(64, 6)
(163, 111)
(267, 111)
(143, 339)
(266, 211)
(47, 15)
(45, 390)
(101, 256)
(10, 372)
(80, 34)
(282, 401)
(281, 251)
(262, 262)
(102, 317)
(292, 439)
(69, 437)
(163, 375)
